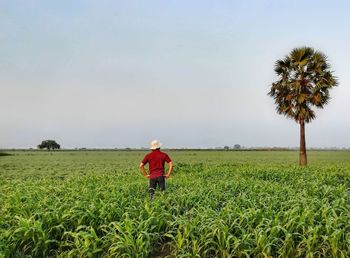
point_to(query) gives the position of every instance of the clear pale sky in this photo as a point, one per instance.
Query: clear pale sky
(189, 73)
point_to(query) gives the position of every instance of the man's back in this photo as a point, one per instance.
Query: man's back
(156, 160)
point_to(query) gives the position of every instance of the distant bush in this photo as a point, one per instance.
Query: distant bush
(49, 145)
(5, 154)
(237, 146)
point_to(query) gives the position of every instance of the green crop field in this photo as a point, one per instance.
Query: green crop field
(217, 204)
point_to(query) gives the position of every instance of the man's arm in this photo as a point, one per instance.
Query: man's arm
(170, 169)
(143, 170)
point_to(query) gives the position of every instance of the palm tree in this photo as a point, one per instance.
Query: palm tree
(304, 82)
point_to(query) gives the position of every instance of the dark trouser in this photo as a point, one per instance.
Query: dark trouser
(153, 182)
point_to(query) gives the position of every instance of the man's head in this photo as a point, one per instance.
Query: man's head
(155, 145)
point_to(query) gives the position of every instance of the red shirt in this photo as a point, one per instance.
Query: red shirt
(156, 160)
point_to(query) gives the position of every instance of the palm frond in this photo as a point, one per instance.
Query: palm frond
(304, 81)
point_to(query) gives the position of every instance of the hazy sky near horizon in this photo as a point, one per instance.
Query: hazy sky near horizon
(189, 73)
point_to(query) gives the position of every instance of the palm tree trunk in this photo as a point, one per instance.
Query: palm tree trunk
(302, 154)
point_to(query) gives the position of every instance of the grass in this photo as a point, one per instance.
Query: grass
(217, 204)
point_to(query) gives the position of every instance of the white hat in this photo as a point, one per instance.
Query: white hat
(155, 145)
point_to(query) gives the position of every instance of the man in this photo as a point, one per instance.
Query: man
(156, 161)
